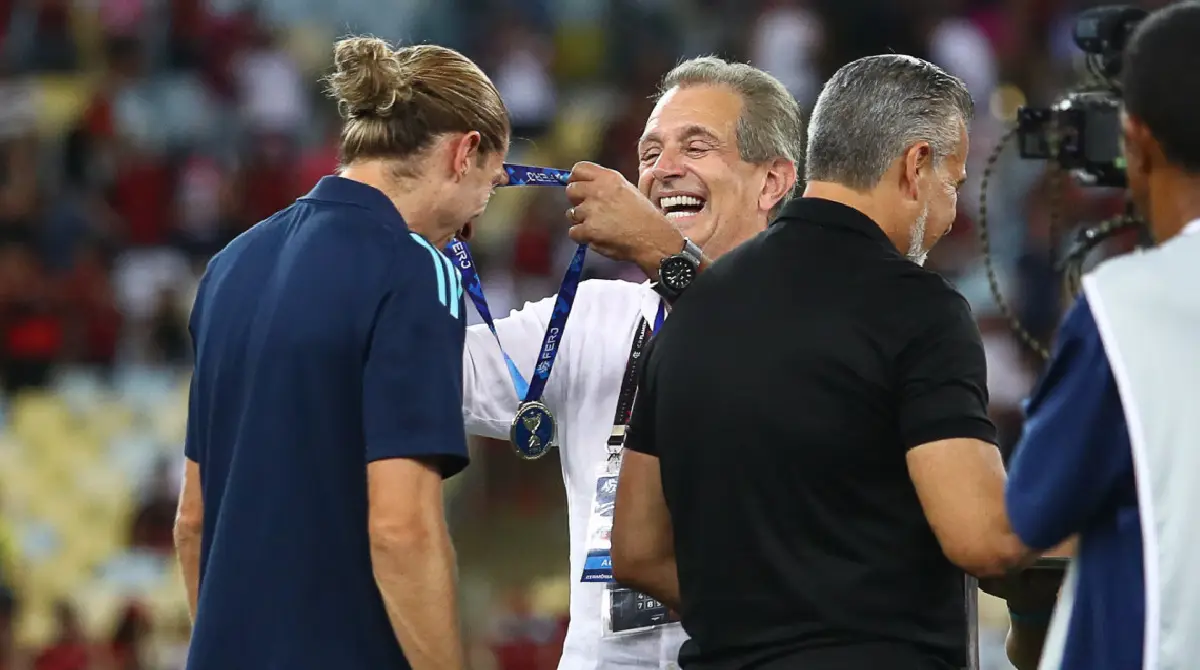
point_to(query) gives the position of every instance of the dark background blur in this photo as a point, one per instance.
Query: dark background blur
(138, 136)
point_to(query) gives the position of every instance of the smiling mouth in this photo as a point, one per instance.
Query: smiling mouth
(677, 207)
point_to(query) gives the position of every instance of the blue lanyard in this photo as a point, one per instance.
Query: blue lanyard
(528, 175)
(660, 316)
(524, 175)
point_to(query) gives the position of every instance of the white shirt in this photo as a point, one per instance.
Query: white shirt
(582, 394)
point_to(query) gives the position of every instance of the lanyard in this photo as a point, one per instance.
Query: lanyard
(531, 391)
(529, 175)
(629, 383)
(551, 340)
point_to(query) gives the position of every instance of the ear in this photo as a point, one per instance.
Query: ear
(917, 160)
(780, 178)
(465, 152)
(1141, 150)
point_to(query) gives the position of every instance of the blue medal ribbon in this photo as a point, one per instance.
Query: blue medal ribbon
(532, 417)
(529, 175)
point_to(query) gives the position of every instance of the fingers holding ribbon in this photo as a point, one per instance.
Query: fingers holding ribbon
(610, 213)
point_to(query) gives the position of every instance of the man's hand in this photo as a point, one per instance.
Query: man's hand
(612, 216)
(1031, 595)
(1030, 591)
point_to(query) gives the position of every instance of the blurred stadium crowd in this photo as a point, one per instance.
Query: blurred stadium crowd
(138, 136)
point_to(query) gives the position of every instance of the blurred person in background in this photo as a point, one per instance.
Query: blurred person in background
(268, 176)
(1109, 448)
(169, 342)
(10, 657)
(522, 638)
(154, 521)
(127, 648)
(93, 319)
(44, 36)
(30, 320)
(19, 196)
(717, 156)
(522, 72)
(326, 396)
(70, 649)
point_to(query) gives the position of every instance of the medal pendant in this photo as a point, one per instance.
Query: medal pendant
(533, 430)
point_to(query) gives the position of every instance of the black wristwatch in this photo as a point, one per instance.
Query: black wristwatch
(678, 271)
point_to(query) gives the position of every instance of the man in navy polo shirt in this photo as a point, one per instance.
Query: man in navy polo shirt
(325, 401)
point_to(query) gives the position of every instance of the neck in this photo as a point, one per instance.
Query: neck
(863, 201)
(718, 245)
(1175, 203)
(414, 202)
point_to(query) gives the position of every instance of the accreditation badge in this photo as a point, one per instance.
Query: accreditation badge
(597, 566)
(623, 610)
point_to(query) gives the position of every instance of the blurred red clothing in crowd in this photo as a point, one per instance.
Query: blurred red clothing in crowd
(142, 198)
(90, 304)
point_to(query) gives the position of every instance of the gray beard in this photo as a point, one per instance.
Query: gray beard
(916, 242)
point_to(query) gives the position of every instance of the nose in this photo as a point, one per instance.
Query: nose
(668, 166)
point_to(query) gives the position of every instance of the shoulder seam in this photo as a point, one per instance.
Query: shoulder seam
(449, 281)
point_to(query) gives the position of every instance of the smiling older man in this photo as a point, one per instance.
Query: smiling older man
(719, 154)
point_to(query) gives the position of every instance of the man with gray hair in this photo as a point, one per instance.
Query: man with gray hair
(719, 155)
(811, 432)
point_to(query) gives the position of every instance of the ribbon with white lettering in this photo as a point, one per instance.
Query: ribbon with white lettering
(533, 430)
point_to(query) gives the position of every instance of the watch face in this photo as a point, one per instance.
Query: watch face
(676, 272)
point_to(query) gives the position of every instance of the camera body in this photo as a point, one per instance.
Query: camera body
(1082, 132)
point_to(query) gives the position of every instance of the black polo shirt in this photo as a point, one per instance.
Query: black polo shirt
(781, 398)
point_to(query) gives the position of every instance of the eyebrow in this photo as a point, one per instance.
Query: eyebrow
(688, 132)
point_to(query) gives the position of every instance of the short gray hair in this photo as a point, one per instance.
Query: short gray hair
(875, 108)
(771, 125)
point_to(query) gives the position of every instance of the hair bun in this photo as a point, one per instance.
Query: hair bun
(369, 78)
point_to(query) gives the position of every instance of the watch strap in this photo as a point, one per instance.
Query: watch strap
(692, 250)
(691, 253)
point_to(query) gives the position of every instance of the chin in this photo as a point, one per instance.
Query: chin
(697, 227)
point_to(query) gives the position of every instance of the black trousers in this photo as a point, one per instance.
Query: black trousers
(867, 656)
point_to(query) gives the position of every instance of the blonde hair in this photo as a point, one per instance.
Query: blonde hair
(395, 102)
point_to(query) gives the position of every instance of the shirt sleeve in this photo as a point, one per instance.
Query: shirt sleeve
(412, 381)
(943, 377)
(191, 442)
(1074, 452)
(489, 395)
(639, 435)
(192, 437)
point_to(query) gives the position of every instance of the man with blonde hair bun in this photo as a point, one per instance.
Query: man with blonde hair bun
(324, 406)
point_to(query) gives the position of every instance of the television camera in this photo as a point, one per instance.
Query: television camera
(1081, 134)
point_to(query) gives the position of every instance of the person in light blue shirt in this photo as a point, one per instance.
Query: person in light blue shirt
(1073, 470)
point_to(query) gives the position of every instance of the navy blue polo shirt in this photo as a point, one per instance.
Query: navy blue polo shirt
(1073, 473)
(327, 337)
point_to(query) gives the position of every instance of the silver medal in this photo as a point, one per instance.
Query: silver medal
(533, 430)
